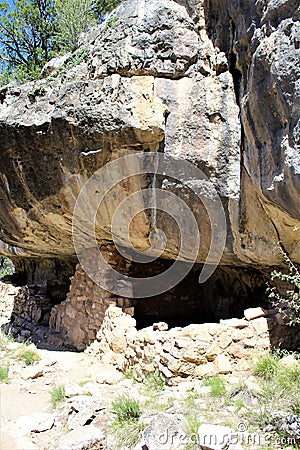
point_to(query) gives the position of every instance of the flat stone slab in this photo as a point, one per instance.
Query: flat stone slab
(36, 422)
(81, 438)
(254, 313)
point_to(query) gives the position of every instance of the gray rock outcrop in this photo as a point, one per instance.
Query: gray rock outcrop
(213, 82)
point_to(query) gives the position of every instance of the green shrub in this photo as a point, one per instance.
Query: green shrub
(191, 428)
(280, 388)
(154, 381)
(27, 355)
(266, 366)
(57, 395)
(112, 22)
(216, 384)
(6, 267)
(287, 301)
(4, 375)
(126, 409)
(128, 434)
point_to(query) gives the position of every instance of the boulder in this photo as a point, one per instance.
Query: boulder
(81, 438)
(165, 433)
(216, 437)
(36, 422)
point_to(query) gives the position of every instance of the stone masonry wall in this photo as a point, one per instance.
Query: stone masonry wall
(197, 350)
(24, 308)
(80, 316)
(8, 292)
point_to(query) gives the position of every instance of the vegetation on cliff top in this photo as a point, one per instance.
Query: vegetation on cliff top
(34, 31)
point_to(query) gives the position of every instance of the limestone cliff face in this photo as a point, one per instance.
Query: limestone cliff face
(213, 82)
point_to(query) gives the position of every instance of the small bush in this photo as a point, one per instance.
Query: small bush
(280, 388)
(5, 339)
(287, 301)
(6, 267)
(27, 355)
(266, 365)
(217, 386)
(126, 409)
(128, 434)
(4, 375)
(57, 395)
(191, 397)
(154, 381)
(191, 428)
(112, 22)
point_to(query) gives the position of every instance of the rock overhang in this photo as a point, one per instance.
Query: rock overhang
(152, 82)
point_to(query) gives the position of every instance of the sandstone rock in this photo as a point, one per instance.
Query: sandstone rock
(260, 325)
(121, 95)
(169, 78)
(222, 364)
(212, 352)
(81, 438)
(225, 339)
(36, 422)
(81, 418)
(238, 352)
(235, 323)
(149, 335)
(118, 340)
(165, 433)
(54, 64)
(72, 389)
(112, 376)
(194, 355)
(243, 365)
(197, 333)
(32, 372)
(160, 326)
(254, 313)
(166, 372)
(80, 402)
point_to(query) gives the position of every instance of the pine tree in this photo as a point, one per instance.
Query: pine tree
(26, 35)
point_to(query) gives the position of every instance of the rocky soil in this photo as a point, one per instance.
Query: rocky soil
(83, 418)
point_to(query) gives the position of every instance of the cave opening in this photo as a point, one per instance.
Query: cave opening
(226, 294)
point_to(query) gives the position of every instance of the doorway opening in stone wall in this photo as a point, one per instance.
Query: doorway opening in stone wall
(226, 294)
(31, 293)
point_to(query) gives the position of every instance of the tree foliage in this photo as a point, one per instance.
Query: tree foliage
(73, 18)
(105, 6)
(33, 31)
(26, 35)
(6, 267)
